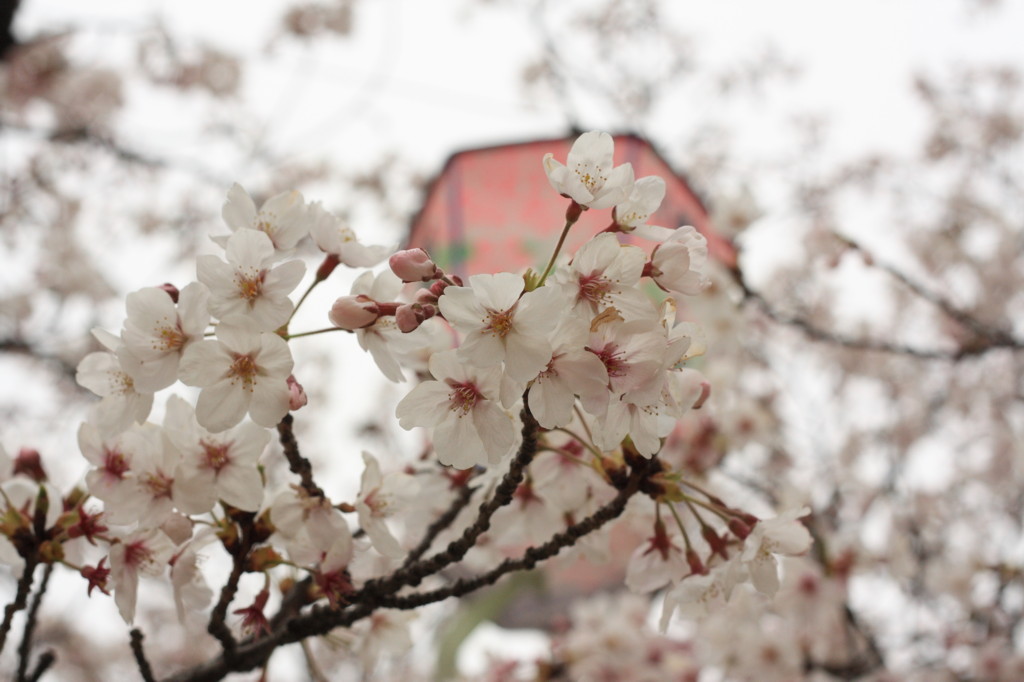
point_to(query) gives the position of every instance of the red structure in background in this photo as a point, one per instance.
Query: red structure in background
(492, 209)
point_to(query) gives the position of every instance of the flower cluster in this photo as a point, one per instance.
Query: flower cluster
(550, 396)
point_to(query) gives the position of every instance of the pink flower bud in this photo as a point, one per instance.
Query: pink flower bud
(414, 265)
(171, 290)
(410, 316)
(407, 319)
(353, 312)
(425, 296)
(29, 463)
(296, 394)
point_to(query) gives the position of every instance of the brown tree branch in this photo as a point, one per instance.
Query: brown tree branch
(140, 656)
(296, 462)
(24, 649)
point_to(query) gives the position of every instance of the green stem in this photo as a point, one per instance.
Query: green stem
(315, 331)
(300, 301)
(682, 528)
(582, 441)
(569, 222)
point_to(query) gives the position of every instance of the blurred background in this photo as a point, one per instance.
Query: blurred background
(858, 165)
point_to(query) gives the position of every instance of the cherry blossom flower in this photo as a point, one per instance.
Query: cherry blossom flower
(381, 337)
(242, 371)
(502, 326)
(216, 465)
(678, 264)
(114, 479)
(783, 534)
(381, 497)
(143, 552)
(631, 215)
(469, 426)
(191, 593)
(284, 217)
(656, 562)
(156, 333)
(589, 178)
(572, 370)
(247, 284)
(334, 237)
(605, 273)
(633, 354)
(103, 374)
(307, 525)
(696, 595)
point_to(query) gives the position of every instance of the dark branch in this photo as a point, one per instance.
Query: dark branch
(442, 522)
(140, 656)
(24, 649)
(296, 462)
(239, 552)
(46, 659)
(24, 586)
(980, 347)
(533, 555)
(414, 573)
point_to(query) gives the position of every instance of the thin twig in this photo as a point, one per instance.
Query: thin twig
(456, 549)
(24, 649)
(296, 462)
(24, 586)
(533, 555)
(442, 522)
(217, 626)
(46, 659)
(981, 346)
(979, 328)
(140, 656)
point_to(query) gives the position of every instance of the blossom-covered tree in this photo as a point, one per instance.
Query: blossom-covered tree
(715, 471)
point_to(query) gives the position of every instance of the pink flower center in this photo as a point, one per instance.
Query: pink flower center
(589, 175)
(500, 323)
(136, 554)
(215, 455)
(594, 288)
(169, 338)
(250, 287)
(244, 368)
(158, 484)
(613, 361)
(114, 464)
(464, 396)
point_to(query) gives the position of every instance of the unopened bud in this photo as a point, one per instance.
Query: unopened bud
(414, 265)
(353, 312)
(425, 297)
(28, 463)
(296, 394)
(438, 287)
(171, 290)
(410, 316)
